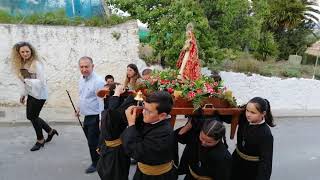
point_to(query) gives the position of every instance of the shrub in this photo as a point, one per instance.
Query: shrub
(267, 47)
(266, 72)
(246, 66)
(5, 17)
(115, 19)
(291, 72)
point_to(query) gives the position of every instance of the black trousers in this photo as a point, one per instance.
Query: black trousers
(92, 132)
(34, 107)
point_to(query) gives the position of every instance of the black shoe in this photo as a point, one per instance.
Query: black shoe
(91, 169)
(50, 136)
(37, 146)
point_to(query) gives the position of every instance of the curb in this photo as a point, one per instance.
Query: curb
(15, 116)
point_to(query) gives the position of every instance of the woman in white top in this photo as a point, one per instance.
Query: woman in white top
(30, 71)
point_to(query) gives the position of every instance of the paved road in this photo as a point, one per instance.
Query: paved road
(296, 153)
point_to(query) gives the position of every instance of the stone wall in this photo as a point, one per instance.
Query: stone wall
(287, 96)
(60, 47)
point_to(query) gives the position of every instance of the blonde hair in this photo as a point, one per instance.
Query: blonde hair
(16, 58)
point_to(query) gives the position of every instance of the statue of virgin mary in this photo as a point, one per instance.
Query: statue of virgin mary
(189, 62)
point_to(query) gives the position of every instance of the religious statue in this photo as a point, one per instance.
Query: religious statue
(189, 62)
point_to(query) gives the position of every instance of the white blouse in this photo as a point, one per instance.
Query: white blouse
(38, 87)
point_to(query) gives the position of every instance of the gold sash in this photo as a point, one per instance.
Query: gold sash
(155, 170)
(247, 157)
(198, 177)
(114, 143)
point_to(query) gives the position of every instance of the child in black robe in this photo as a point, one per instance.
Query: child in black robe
(152, 144)
(252, 159)
(113, 162)
(195, 121)
(207, 156)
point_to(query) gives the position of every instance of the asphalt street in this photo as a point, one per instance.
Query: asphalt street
(296, 152)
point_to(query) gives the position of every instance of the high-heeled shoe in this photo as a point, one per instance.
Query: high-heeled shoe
(37, 146)
(50, 136)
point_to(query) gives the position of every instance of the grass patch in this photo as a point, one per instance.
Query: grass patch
(59, 17)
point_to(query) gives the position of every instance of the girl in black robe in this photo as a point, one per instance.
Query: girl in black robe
(252, 159)
(195, 124)
(207, 154)
(114, 163)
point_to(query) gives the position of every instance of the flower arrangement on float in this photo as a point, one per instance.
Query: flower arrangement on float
(186, 93)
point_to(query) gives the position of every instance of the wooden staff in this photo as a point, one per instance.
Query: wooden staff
(75, 111)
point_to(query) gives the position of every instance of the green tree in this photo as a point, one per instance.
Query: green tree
(267, 46)
(263, 27)
(296, 40)
(231, 20)
(288, 14)
(291, 22)
(167, 22)
(147, 11)
(239, 25)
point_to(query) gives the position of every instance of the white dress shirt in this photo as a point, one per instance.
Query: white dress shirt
(89, 102)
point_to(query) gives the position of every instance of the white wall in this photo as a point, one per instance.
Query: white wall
(290, 96)
(61, 47)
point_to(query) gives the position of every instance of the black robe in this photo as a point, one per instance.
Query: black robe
(253, 140)
(190, 148)
(214, 162)
(151, 144)
(113, 162)
(106, 102)
(193, 135)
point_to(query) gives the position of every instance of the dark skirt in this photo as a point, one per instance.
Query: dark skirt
(113, 164)
(243, 169)
(185, 160)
